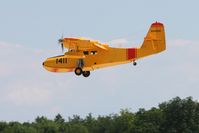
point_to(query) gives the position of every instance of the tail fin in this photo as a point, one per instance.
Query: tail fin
(154, 42)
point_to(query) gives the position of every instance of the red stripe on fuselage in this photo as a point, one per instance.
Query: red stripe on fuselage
(131, 53)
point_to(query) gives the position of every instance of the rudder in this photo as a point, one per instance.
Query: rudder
(154, 42)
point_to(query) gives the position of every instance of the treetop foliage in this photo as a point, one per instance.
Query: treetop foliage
(175, 116)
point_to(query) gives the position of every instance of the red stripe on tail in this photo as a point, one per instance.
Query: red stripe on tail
(157, 24)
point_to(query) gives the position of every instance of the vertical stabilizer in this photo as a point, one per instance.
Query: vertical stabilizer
(154, 42)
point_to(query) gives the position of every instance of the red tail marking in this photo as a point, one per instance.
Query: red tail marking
(131, 53)
(157, 24)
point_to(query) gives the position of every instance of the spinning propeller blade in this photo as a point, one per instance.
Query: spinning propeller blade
(60, 41)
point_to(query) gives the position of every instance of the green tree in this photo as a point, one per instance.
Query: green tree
(147, 121)
(59, 120)
(105, 124)
(75, 128)
(90, 123)
(16, 127)
(175, 116)
(123, 122)
(3, 125)
(76, 119)
(43, 125)
(181, 115)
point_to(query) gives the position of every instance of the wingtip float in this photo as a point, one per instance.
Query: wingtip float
(86, 55)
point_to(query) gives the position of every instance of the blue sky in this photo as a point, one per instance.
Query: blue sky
(29, 31)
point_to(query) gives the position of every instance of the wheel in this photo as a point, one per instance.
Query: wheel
(86, 73)
(134, 63)
(78, 71)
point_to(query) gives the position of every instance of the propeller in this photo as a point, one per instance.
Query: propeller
(60, 41)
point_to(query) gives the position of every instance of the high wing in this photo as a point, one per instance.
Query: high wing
(100, 46)
(80, 44)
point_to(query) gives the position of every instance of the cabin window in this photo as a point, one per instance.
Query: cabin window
(93, 52)
(86, 53)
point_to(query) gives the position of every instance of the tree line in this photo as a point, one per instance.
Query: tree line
(174, 116)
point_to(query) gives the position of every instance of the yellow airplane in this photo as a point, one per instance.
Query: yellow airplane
(86, 55)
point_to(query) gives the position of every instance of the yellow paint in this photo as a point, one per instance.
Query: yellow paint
(154, 42)
(96, 55)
